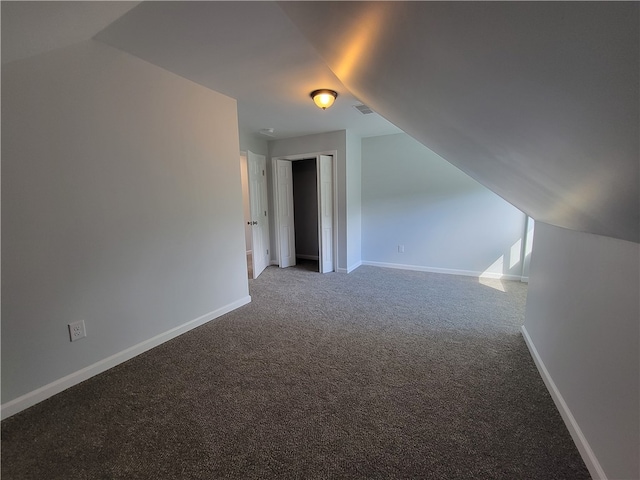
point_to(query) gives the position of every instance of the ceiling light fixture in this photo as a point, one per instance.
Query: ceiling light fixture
(324, 97)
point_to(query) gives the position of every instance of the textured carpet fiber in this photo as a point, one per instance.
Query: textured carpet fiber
(376, 374)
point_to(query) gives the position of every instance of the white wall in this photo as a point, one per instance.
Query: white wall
(445, 220)
(354, 201)
(322, 142)
(121, 206)
(582, 319)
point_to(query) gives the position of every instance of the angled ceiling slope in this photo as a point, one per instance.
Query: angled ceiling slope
(539, 101)
(250, 51)
(32, 28)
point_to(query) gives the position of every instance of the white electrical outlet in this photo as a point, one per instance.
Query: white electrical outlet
(77, 330)
(400, 248)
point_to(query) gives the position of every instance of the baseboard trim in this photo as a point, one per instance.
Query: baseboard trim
(524, 279)
(579, 439)
(349, 269)
(307, 257)
(36, 396)
(447, 271)
(354, 266)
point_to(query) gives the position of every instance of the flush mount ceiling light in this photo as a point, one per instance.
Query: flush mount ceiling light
(324, 97)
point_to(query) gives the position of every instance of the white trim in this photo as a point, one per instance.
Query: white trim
(336, 213)
(349, 269)
(274, 263)
(275, 251)
(307, 257)
(524, 279)
(448, 271)
(29, 399)
(579, 439)
(353, 267)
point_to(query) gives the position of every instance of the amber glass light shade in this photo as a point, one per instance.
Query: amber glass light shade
(324, 98)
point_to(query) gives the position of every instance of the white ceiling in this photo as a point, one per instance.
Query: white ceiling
(250, 51)
(31, 28)
(539, 101)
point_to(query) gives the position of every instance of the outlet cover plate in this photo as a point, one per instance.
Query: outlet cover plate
(77, 330)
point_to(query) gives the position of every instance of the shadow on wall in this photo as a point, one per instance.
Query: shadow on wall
(512, 264)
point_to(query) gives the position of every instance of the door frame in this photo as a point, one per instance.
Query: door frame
(334, 190)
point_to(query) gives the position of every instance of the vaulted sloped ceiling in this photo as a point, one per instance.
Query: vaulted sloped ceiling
(31, 28)
(250, 51)
(538, 101)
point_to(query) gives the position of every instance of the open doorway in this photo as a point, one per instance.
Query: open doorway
(305, 213)
(284, 218)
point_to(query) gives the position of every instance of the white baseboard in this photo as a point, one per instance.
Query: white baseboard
(307, 257)
(448, 271)
(579, 439)
(353, 267)
(274, 263)
(348, 269)
(524, 279)
(29, 399)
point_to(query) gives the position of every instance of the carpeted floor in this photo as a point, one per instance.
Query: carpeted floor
(376, 374)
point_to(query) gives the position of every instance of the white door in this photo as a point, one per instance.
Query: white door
(325, 212)
(286, 227)
(257, 165)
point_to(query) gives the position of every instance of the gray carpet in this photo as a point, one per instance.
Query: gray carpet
(376, 374)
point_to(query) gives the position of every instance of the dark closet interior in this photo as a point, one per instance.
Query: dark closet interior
(305, 210)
